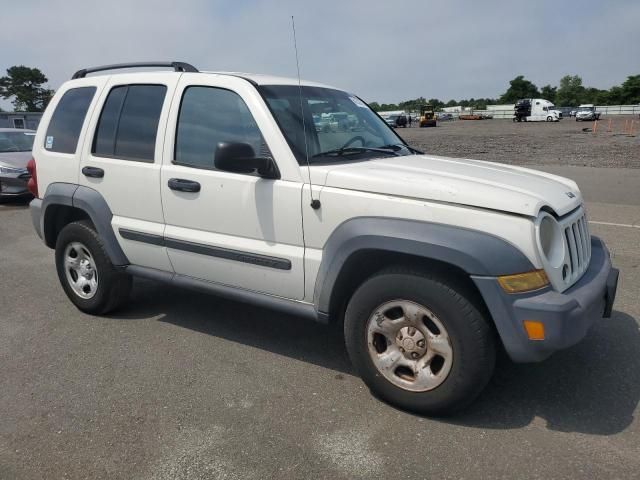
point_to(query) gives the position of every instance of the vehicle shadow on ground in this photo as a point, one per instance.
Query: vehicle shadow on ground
(19, 203)
(593, 387)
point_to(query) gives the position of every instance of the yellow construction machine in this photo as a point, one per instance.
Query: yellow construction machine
(427, 116)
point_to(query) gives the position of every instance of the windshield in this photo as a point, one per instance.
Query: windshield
(339, 126)
(16, 142)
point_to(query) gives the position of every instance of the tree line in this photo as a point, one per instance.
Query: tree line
(25, 85)
(569, 93)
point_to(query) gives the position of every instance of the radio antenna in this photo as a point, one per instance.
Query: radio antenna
(315, 204)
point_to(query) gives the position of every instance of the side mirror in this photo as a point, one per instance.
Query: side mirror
(240, 158)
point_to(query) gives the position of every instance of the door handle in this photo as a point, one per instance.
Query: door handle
(94, 172)
(182, 185)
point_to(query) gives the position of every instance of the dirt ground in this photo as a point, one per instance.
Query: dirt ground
(540, 143)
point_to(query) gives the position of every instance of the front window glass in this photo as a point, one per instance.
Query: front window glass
(16, 142)
(333, 120)
(209, 116)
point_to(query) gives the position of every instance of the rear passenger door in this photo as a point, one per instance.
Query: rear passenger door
(122, 158)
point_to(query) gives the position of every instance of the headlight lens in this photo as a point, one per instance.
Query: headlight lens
(550, 240)
(523, 282)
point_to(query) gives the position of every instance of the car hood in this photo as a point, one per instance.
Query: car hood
(15, 159)
(474, 183)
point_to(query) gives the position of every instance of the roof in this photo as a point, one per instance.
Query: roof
(264, 79)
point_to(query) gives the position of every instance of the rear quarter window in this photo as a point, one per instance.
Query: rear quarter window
(66, 122)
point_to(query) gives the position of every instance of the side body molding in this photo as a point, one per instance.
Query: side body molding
(475, 252)
(95, 206)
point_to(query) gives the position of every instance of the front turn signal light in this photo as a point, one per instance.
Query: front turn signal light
(535, 330)
(523, 282)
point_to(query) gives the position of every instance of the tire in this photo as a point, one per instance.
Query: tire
(104, 288)
(549, 119)
(452, 309)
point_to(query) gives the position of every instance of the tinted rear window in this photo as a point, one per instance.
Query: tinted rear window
(128, 122)
(67, 119)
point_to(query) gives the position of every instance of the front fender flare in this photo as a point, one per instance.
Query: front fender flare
(474, 252)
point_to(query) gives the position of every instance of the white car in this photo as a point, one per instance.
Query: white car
(220, 182)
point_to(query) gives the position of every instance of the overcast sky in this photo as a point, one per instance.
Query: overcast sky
(383, 50)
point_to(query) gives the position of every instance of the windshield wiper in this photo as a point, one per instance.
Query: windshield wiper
(338, 152)
(400, 146)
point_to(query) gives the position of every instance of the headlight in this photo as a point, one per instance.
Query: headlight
(523, 282)
(550, 240)
(5, 169)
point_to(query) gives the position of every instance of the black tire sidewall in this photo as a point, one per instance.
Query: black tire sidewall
(107, 276)
(473, 347)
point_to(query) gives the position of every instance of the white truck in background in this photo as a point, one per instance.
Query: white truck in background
(535, 110)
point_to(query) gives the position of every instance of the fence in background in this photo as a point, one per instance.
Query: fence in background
(604, 110)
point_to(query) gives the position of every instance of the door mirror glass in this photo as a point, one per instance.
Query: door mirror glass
(241, 158)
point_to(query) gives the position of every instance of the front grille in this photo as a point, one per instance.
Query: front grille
(578, 246)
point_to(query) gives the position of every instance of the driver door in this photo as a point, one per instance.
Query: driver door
(235, 229)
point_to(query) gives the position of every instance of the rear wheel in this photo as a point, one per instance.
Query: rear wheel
(87, 275)
(419, 342)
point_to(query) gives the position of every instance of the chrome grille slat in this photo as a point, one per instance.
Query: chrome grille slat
(578, 237)
(572, 250)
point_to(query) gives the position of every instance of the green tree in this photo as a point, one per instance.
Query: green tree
(630, 90)
(549, 93)
(519, 88)
(25, 85)
(375, 106)
(570, 92)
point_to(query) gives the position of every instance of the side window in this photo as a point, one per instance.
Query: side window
(67, 119)
(128, 123)
(208, 116)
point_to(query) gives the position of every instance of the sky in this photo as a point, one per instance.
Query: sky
(383, 50)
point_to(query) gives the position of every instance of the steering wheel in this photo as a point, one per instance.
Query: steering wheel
(355, 139)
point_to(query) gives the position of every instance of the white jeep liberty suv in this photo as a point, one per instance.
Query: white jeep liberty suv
(222, 182)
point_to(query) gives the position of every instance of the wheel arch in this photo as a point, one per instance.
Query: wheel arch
(360, 247)
(64, 203)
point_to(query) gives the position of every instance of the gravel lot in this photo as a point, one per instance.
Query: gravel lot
(539, 143)
(186, 386)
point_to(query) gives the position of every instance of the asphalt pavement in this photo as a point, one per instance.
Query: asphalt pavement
(182, 385)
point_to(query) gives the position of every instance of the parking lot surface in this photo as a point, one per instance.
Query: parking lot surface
(534, 143)
(181, 385)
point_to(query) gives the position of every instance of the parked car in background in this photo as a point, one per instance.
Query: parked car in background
(396, 121)
(587, 112)
(564, 111)
(15, 152)
(443, 116)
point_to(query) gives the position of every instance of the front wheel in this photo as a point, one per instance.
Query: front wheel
(419, 342)
(87, 275)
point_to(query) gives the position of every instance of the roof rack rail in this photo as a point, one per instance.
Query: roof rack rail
(177, 66)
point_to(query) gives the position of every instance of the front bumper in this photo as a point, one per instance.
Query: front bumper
(14, 184)
(566, 316)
